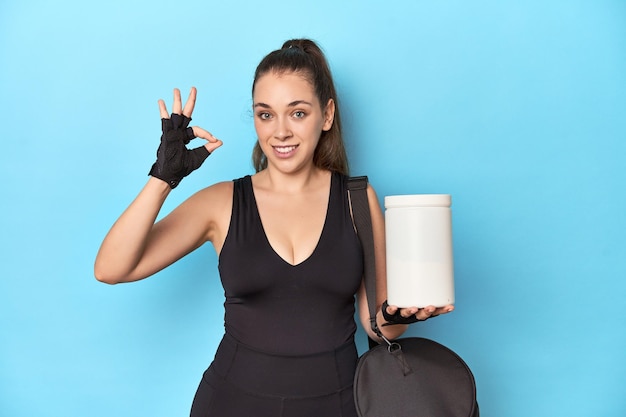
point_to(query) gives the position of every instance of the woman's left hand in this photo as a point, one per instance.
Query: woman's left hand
(418, 314)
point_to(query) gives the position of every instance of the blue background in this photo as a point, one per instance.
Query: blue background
(516, 108)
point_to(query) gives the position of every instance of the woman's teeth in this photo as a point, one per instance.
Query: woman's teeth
(284, 149)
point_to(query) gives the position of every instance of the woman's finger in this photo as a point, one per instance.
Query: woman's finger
(178, 107)
(163, 110)
(212, 142)
(443, 310)
(191, 102)
(391, 310)
(203, 134)
(425, 313)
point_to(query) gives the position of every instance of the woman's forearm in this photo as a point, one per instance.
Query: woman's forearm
(124, 245)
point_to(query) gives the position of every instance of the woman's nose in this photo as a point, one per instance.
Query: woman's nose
(283, 131)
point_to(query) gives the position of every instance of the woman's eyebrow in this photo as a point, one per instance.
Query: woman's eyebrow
(298, 102)
(292, 104)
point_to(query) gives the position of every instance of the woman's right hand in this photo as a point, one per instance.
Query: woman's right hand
(174, 160)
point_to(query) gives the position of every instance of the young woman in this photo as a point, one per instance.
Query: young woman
(289, 258)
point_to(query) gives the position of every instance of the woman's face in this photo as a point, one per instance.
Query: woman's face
(289, 120)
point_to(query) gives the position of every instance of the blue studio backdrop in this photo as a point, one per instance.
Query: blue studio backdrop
(516, 108)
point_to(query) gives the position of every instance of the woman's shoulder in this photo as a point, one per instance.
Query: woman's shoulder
(218, 192)
(206, 201)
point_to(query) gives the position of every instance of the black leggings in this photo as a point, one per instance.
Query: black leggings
(242, 382)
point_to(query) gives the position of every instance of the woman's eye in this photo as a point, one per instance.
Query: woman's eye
(299, 114)
(264, 116)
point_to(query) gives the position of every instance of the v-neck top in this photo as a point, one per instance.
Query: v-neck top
(281, 308)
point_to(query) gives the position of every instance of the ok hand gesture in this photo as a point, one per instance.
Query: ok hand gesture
(174, 160)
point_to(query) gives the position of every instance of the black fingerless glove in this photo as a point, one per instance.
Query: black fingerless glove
(174, 160)
(396, 318)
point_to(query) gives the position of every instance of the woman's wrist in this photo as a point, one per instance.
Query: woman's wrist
(158, 185)
(390, 332)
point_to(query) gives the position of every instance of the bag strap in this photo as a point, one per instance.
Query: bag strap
(359, 204)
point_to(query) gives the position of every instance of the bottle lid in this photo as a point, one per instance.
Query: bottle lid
(418, 200)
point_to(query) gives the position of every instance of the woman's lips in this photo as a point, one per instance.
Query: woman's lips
(284, 151)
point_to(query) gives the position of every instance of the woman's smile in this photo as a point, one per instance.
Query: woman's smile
(285, 151)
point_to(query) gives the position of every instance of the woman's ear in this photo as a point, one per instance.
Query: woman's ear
(329, 115)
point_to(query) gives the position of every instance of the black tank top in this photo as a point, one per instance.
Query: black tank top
(281, 308)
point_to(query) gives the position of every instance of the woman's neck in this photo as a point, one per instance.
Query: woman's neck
(274, 180)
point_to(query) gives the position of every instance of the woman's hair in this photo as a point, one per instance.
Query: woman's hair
(304, 57)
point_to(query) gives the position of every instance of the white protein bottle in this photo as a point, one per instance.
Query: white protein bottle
(420, 268)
